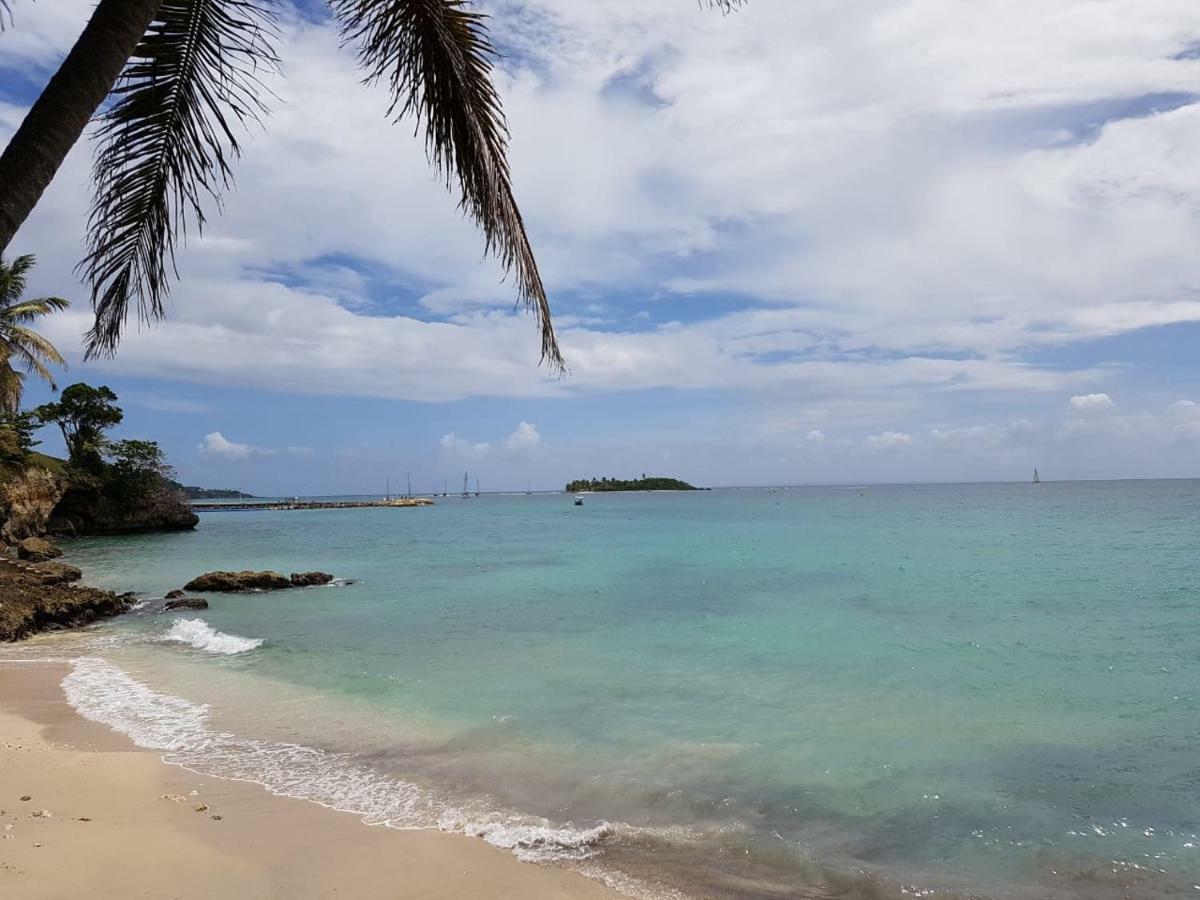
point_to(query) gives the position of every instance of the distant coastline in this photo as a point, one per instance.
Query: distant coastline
(601, 485)
(198, 493)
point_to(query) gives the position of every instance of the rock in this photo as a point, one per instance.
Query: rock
(26, 797)
(27, 501)
(36, 549)
(187, 603)
(309, 579)
(56, 573)
(174, 595)
(201, 807)
(236, 582)
(39, 597)
(41, 814)
(86, 509)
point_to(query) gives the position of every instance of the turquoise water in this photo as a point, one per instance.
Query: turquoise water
(983, 689)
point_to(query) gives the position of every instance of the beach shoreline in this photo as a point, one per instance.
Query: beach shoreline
(122, 822)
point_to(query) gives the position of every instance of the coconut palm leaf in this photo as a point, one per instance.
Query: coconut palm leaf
(436, 58)
(20, 345)
(167, 143)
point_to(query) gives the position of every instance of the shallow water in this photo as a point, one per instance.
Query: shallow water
(986, 689)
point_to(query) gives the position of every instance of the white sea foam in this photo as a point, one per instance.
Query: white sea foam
(102, 692)
(203, 636)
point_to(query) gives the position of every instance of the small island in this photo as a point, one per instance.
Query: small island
(653, 483)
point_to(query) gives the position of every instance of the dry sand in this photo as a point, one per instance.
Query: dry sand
(124, 824)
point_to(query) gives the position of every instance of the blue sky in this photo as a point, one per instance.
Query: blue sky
(897, 240)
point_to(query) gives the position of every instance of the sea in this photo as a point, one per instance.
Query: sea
(984, 690)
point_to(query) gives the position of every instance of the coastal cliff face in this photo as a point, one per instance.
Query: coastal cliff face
(27, 502)
(39, 501)
(86, 510)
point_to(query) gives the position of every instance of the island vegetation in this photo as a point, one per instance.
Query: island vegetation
(653, 483)
(192, 492)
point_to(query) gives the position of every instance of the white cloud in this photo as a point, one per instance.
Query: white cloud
(217, 446)
(935, 192)
(524, 437)
(1091, 401)
(889, 440)
(815, 436)
(460, 449)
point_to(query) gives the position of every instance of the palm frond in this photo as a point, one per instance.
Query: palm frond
(5, 14)
(27, 343)
(12, 278)
(32, 362)
(12, 387)
(725, 6)
(166, 143)
(28, 310)
(436, 58)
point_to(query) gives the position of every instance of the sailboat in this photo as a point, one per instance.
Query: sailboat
(466, 490)
(476, 487)
(1036, 479)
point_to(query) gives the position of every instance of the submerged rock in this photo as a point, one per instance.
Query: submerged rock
(36, 549)
(187, 603)
(237, 582)
(310, 579)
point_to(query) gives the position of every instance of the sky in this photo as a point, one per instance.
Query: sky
(808, 242)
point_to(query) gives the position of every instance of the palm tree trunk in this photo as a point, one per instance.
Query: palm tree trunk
(58, 118)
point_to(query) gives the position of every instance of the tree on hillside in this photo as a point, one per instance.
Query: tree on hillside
(185, 74)
(83, 413)
(136, 468)
(21, 346)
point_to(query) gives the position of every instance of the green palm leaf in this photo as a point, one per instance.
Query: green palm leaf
(436, 58)
(166, 143)
(20, 345)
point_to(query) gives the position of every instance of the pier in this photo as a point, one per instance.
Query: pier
(251, 505)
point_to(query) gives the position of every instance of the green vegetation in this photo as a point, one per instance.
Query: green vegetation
(198, 493)
(20, 344)
(83, 413)
(635, 484)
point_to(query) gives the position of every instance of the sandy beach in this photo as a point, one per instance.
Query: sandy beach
(85, 813)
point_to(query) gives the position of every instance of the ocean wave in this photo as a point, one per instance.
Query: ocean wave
(202, 636)
(104, 693)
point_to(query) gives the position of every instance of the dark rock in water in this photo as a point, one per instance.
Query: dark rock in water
(55, 572)
(174, 595)
(187, 603)
(236, 582)
(310, 579)
(36, 549)
(27, 605)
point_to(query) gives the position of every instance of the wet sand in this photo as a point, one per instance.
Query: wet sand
(124, 824)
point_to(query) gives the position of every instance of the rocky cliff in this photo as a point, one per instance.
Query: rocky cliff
(26, 502)
(39, 501)
(86, 510)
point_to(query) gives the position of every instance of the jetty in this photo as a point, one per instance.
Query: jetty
(313, 504)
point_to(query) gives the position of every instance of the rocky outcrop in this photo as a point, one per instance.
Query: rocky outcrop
(88, 510)
(310, 579)
(27, 605)
(173, 595)
(27, 502)
(36, 549)
(241, 582)
(238, 582)
(54, 572)
(187, 603)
